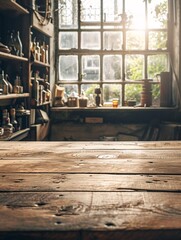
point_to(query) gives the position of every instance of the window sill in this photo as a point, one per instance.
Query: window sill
(114, 115)
(96, 109)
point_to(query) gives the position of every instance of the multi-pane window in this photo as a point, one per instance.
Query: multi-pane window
(114, 45)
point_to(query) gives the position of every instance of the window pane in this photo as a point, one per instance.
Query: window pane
(71, 90)
(68, 40)
(134, 67)
(157, 40)
(90, 11)
(135, 11)
(111, 91)
(135, 40)
(156, 65)
(133, 92)
(112, 11)
(88, 90)
(112, 67)
(68, 67)
(90, 67)
(157, 14)
(90, 40)
(156, 95)
(113, 41)
(68, 14)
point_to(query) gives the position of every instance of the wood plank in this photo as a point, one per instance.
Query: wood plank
(12, 5)
(47, 150)
(67, 211)
(12, 57)
(68, 155)
(90, 190)
(16, 136)
(89, 182)
(14, 95)
(66, 164)
(52, 146)
(44, 158)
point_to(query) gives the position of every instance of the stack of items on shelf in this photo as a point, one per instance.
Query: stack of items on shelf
(39, 51)
(7, 88)
(40, 91)
(13, 120)
(13, 44)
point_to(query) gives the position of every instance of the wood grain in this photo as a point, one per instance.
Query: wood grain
(90, 190)
(97, 162)
(90, 211)
(45, 146)
(89, 182)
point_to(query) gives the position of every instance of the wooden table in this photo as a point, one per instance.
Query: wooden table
(90, 190)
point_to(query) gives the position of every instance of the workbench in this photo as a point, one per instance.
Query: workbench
(90, 190)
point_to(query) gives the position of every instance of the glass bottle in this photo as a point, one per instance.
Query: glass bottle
(11, 43)
(31, 42)
(4, 116)
(18, 45)
(33, 49)
(47, 54)
(91, 102)
(17, 81)
(16, 87)
(3, 84)
(13, 119)
(42, 51)
(10, 87)
(48, 91)
(8, 127)
(37, 56)
(35, 89)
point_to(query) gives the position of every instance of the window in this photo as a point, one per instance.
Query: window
(115, 45)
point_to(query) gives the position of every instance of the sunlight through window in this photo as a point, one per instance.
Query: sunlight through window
(114, 45)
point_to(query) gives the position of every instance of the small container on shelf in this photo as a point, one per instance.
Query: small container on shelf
(72, 102)
(17, 88)
(13, 119)
(35, 91)
(8, 127)
(83, 100)
(3, 84)
(10, 86)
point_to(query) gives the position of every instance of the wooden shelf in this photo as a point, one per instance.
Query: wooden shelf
(12, 57)
(41, 104)
(38, 63)
(12, 5)
(14, 95)
(118, 109)
(17, 136)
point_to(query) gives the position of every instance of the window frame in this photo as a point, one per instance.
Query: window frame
(81, 52)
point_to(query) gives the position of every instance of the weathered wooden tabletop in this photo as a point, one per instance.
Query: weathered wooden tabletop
(90, 190)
